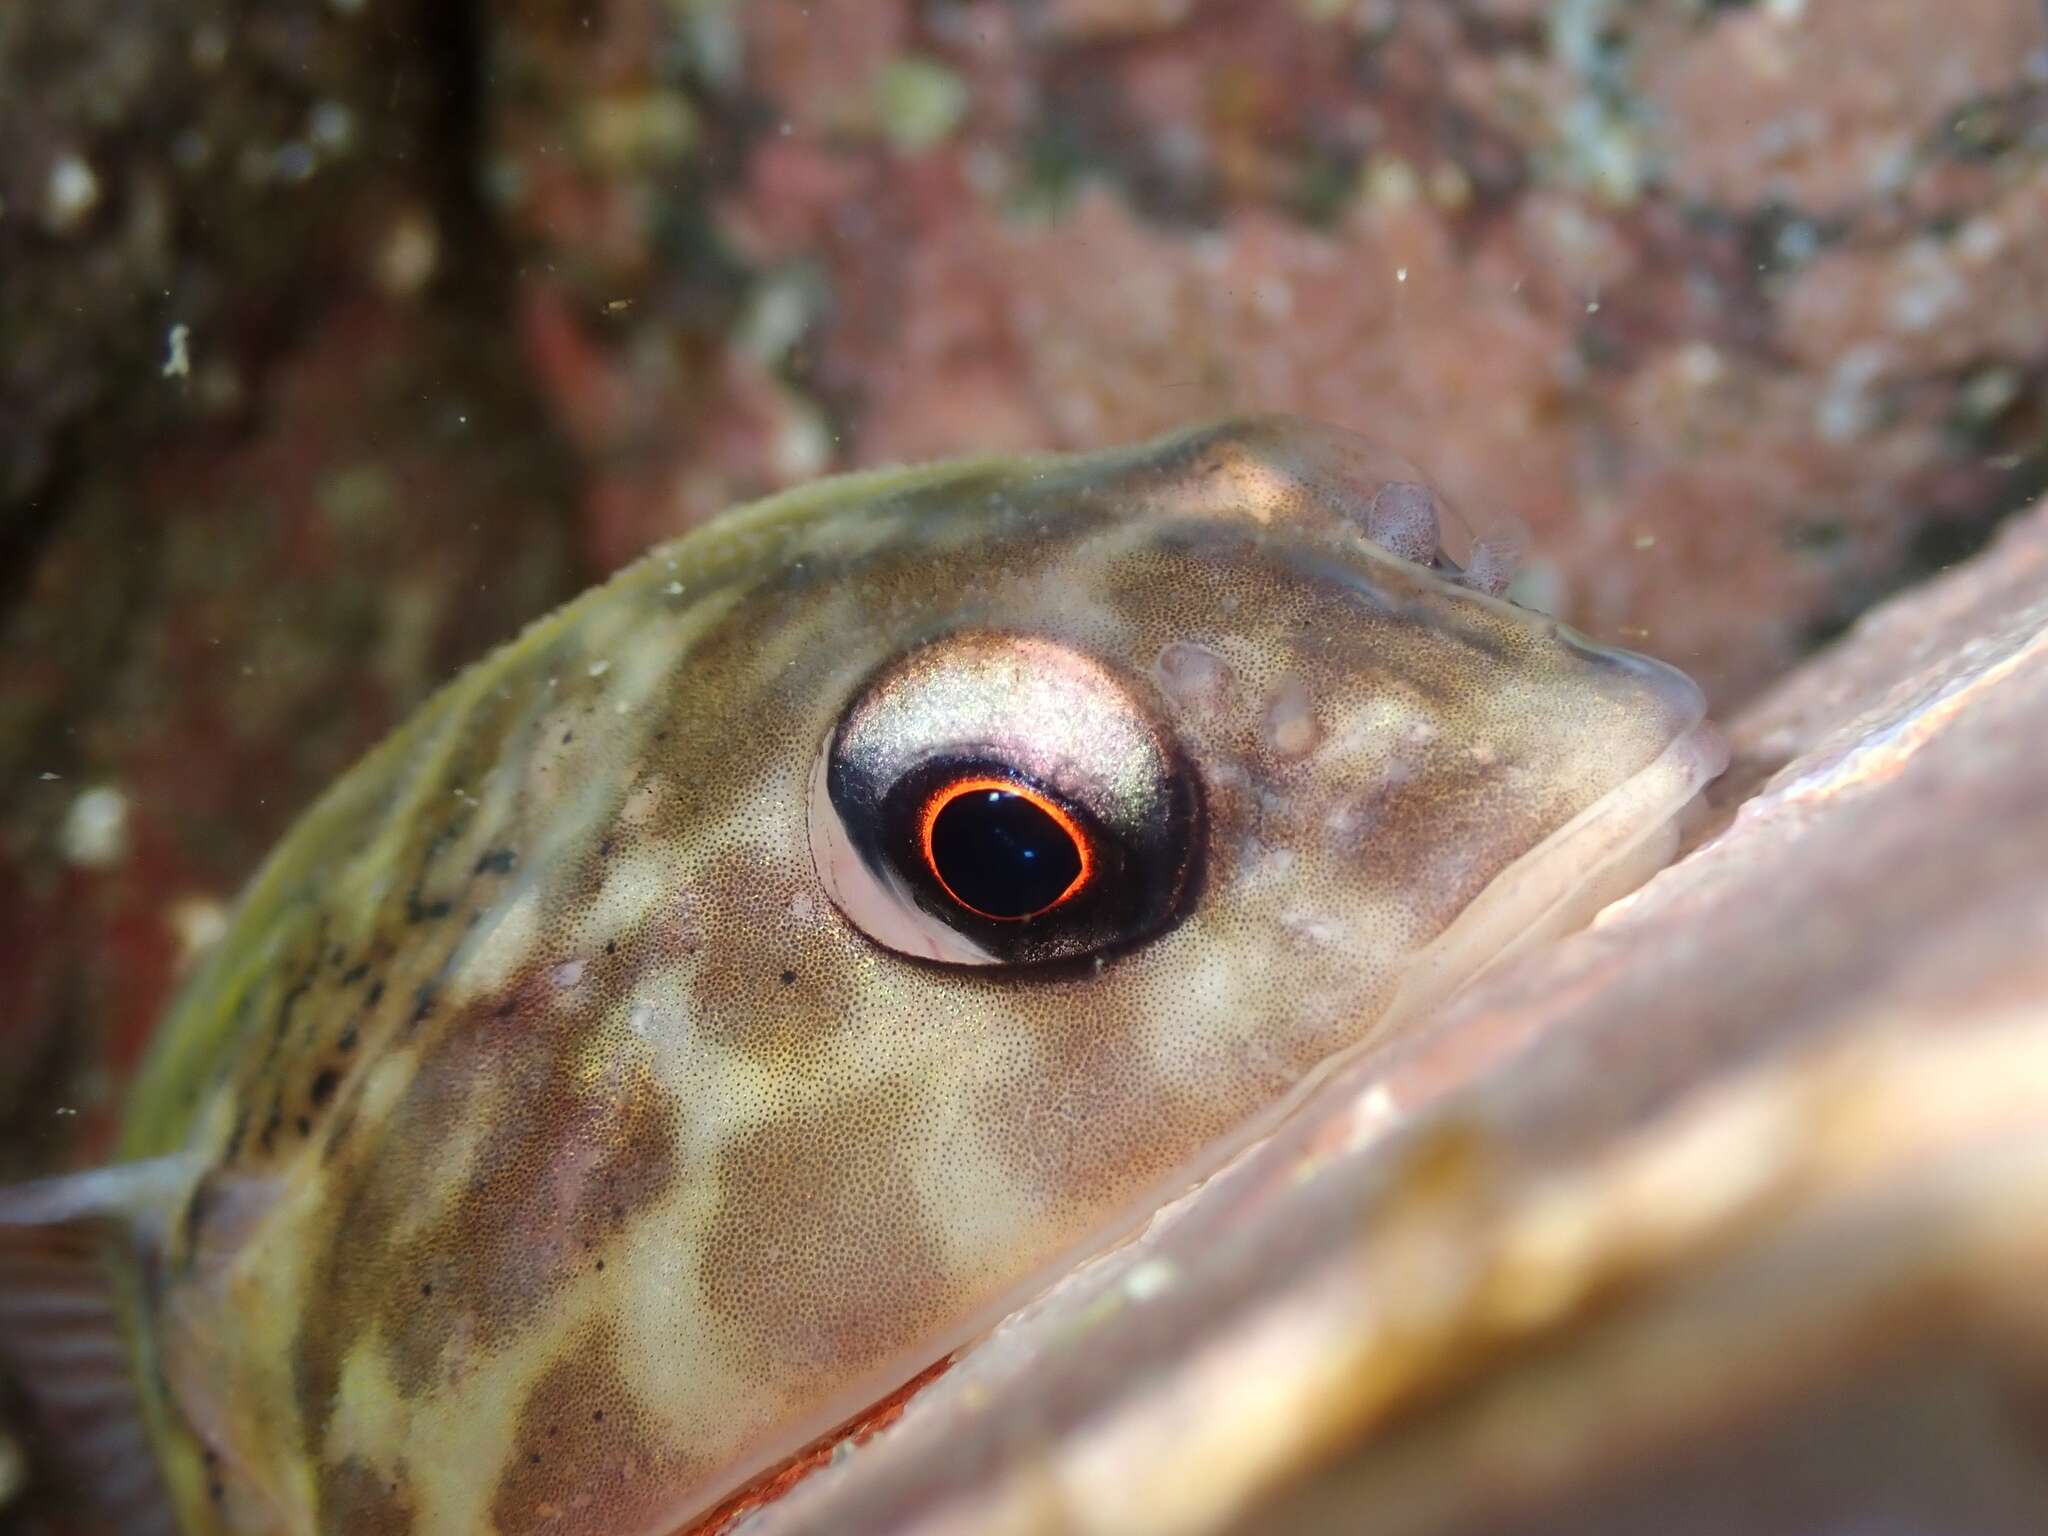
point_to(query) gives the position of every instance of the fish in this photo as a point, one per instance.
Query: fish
(741, 989)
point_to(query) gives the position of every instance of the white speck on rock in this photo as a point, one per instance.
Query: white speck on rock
(802, 446)
(199, 922)
(1848, 407)
(599, 668)
(72, 193)
(409, 253)
(95, 832)
(1273, 298)
(331, 127)
(178, 353)
(1933, 290)
(567, 974)
(1981, 240)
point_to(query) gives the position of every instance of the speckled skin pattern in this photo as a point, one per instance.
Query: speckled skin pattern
(568, 1153)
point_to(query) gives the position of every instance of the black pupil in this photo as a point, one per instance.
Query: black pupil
(1001, 854)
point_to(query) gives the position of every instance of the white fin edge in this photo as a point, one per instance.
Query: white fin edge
(136, 1192)
(62, 1336)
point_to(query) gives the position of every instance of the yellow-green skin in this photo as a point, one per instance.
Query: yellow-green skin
(568, 1154)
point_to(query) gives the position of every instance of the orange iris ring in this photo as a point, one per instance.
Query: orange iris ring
(953, 789)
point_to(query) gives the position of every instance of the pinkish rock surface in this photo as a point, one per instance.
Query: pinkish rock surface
(1738, 300)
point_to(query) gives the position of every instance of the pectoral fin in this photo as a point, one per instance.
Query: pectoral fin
(63, 1340)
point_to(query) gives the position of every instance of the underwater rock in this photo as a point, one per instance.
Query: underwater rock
(183, 188)
(1747, 335)
(208, 635)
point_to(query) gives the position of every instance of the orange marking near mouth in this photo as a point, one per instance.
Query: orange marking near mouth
(778, 1480)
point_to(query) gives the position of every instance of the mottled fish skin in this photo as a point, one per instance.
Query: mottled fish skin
(568, 1153)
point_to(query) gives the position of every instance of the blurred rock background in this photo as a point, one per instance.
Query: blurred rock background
(340, 337)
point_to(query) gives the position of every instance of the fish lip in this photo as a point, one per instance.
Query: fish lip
(1693, 737)
(1710, 745)
(1555, 888)
(1682, 698)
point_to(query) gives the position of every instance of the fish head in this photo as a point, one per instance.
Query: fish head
(1095, 804)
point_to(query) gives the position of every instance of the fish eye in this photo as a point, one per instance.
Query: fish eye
(1000, 799)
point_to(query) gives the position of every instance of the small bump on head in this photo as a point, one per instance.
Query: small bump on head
(1402, 519)
(1193, 676)
(1496, 556)
(1290, 727)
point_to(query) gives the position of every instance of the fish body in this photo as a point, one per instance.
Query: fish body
(723, 1000)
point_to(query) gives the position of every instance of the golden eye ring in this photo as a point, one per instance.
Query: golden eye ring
(1011, 836)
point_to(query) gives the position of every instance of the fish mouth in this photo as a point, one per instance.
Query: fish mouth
(1603, 853)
